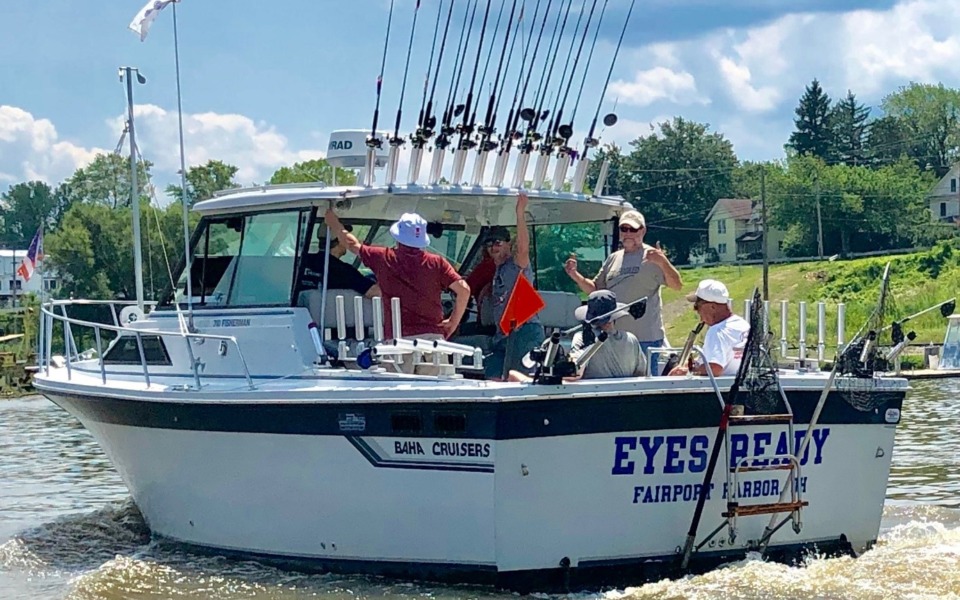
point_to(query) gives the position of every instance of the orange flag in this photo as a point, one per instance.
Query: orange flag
(523, 304)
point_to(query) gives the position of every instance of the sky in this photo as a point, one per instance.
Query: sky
(264, 83)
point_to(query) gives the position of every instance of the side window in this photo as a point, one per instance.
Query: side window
(552, 245)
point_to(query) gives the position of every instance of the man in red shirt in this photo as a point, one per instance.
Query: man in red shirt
(409, 273)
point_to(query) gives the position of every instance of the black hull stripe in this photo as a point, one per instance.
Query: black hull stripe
(371, 455)
(587, 576)
(487, 420)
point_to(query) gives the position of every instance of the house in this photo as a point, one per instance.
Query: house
(12, 284)
(735, 231)
(944, 198)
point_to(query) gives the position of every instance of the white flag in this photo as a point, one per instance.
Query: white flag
(141, 23)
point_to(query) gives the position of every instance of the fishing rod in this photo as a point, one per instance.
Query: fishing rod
(396, 141)
(566, 131)
(443, 139)
(511, 131)
(486, 63)
(558, 107)
(563, 132)
(485, 146)
(373, 141)
(465, 129)
(533, 116)
(425, 107)
(609, 120)
(427, 121)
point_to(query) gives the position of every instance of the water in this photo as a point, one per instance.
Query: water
(69, 530)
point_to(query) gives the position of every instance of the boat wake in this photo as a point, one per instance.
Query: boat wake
(109, 553)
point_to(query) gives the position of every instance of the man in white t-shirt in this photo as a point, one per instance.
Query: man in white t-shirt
(726, 334)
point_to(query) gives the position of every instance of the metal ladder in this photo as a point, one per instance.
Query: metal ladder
(789, 462)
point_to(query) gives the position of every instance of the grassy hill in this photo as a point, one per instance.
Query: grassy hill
(917, 281)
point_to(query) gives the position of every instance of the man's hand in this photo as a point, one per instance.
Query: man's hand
(522, 201)
(449, 328)
(571, 266)
(678, 371)
(656, 256)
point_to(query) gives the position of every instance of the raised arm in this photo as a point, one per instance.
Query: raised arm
(671, 276)
(587, 286)
(521, 253)
(349, 241)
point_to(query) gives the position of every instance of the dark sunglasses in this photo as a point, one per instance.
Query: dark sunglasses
(628, 229)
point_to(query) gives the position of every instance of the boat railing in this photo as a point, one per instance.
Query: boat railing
(128, 312)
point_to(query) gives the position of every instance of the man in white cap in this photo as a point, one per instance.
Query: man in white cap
(635, 271)
(726, 333)
(411, 274)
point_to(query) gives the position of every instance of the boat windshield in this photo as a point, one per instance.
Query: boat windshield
(245, 260)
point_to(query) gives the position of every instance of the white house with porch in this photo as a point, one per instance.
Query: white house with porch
(944, 198)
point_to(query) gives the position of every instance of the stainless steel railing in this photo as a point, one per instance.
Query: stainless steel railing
(49, 317)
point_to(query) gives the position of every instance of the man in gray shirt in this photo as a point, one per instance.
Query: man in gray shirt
(635, 271)
(618, 355)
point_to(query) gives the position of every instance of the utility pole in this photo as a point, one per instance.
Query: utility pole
(764, 241)
(816, 184)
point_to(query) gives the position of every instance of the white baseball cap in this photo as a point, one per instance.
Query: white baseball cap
(633, 218)
(411, 230)
(710, 290)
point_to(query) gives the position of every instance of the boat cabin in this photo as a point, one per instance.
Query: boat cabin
(264, 247)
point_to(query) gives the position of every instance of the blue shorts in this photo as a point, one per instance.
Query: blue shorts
(523, 340)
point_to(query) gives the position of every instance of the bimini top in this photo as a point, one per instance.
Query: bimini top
(444, 203)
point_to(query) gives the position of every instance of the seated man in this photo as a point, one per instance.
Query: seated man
(618, 356)
(342, 276)
(726, 334)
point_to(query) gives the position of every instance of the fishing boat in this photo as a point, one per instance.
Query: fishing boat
(236, 431)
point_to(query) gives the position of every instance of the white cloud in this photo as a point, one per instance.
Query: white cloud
(742, 91)
(30, 149)
(658, 83)
(256, 148)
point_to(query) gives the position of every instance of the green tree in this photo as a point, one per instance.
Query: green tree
(203, 181)
(106, 181)
(813, 135)
(861, 209)
(25, 207)
(312, 171)
(675, 177)
(888, 142)
(849, 120)
(931, 114)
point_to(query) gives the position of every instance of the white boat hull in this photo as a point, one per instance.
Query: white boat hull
(534, 493)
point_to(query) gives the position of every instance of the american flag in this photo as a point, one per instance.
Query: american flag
(33, 257)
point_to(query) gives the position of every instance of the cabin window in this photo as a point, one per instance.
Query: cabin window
(449, 422)
(246, 260)
(721, 226)
(406, 422)
(124, 351)
(552, 245)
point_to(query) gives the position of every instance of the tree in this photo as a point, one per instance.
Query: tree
(312, 171)
(675, 177)
(27, 206)
(931, 114)
(813, 135)
(861, 208)
(205, 180)
(106, 181)
(849, 120)
(888, 142)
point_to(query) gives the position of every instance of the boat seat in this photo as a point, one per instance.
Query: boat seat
(312, 300)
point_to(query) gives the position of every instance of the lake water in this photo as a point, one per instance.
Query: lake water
(69, 530)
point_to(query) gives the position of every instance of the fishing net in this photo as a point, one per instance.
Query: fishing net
(757, 385)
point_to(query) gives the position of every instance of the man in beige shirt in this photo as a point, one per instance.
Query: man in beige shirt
(634, 271)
